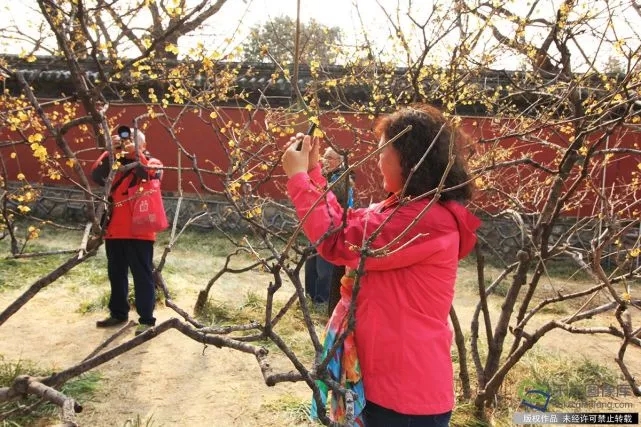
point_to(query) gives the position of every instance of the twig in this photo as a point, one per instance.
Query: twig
(109, 340)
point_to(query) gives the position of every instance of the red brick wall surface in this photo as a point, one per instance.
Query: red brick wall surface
(200, 137)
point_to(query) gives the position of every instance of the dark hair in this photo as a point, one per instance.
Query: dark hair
(430, 128)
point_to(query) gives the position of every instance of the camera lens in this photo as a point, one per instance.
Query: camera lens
(124, 132)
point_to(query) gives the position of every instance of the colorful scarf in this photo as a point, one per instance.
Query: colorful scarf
(343, 367)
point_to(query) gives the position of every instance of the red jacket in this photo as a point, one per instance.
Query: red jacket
(119, 226)
(402, 332)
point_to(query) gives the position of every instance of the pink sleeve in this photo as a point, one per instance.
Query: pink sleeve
(339, 244)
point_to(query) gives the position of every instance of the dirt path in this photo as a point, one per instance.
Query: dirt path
(172, 380)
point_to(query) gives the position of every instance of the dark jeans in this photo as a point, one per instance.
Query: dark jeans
(377, 416)
(135, 255)
(318, 274)
(335, 288)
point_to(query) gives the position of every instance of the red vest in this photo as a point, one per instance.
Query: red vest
(119, 226)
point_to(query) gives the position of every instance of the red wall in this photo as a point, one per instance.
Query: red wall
(610, 177)
(198, 138)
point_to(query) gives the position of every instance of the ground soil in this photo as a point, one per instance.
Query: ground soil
(170, 380)
(174, 381)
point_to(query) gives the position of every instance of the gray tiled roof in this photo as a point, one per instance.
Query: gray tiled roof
(51, 78)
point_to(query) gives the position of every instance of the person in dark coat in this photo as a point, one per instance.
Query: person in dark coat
(320, 274)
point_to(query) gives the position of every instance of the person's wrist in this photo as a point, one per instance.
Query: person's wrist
(313, 166)
(295, 171)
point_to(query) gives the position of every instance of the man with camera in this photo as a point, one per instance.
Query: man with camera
(126, 248)
(322, 278)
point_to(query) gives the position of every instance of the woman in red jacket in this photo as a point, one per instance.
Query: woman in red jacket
(401, 343)
(126, 249)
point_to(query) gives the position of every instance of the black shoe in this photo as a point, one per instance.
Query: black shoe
(109, 322)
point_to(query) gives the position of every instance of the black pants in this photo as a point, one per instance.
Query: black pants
(377, 416)
(318, 274)
(137, 255)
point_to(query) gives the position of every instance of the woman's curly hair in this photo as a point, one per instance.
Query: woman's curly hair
(430, 130)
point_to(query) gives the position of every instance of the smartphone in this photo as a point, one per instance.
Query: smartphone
(310, 131)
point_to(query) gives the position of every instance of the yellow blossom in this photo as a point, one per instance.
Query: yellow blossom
(36, 137)
(33, 233)
(254, 212)
(54, 174)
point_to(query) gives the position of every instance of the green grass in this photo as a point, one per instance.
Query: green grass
(92, 272)
(566, 379)
(18, 272)
(566, 270)
(81, 388)
(220, 312)
(213, 243)
(95, 305)
(138, 421)
(293, 409)
(463, 416)
(102, 302)
(291, 328)
(558, 308)
(253, 301)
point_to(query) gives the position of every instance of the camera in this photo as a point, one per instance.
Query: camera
(124, 132)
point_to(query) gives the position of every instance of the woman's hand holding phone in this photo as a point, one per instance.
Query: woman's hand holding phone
(309, 132)
(301, 153)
